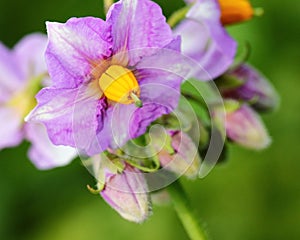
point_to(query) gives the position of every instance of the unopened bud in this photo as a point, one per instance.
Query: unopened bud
(127, 193)
(244, 126)
(254, 88)
(235, 11)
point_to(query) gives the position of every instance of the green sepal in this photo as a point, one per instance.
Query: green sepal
(228, 82)
(99, 188)
(134, 162)
(231, 105)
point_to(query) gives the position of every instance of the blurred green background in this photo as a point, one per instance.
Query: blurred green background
(253, 196)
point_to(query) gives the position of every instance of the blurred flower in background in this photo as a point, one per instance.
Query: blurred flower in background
(23, 71)
(205, 40)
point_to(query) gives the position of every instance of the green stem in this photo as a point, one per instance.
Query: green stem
(185, 212)
(177, 16)
(107, 4)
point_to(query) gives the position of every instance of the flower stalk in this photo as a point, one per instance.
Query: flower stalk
(185, 212)
(177, 16)
(107, 4)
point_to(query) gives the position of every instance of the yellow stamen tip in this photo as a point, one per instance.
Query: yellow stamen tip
(120, 85)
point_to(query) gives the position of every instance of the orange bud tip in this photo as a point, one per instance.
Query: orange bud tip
(235, 11)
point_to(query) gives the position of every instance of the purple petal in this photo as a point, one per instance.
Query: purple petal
(168, 64)
(10, 75)
(138, 24)
(29, 54)
(11, 130)
(205, 40)
(74, 48)
(71, 116)
(42, 152)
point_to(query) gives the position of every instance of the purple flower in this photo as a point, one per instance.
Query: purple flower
(254, 88)
(105, 89)
(22, 70)
(205, 40)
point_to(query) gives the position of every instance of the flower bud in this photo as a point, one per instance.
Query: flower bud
(235, 11)
(244, 126)
(254, 88)
(179, 154)
(126, 192)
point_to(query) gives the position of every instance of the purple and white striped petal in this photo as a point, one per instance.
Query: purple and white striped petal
(75, 48)
(71, 116)
(138, 24)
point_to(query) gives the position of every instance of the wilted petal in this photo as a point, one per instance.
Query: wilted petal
(11, 130)
(127, 194)
(75, 48)
(138, 24)
(205, 40)
(42, 152)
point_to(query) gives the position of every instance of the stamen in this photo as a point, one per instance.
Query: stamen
(120, 85)
(136, 100)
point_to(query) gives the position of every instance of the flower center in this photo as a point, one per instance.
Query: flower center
(24, 100)
(120, 85)
(22, 103)
(235, 11)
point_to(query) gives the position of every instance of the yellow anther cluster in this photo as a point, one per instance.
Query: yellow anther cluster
(120, 85)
